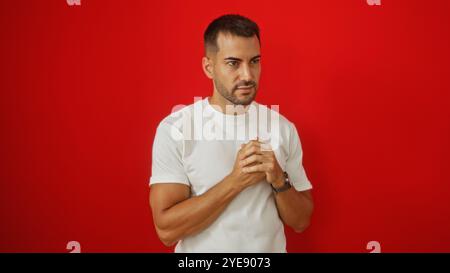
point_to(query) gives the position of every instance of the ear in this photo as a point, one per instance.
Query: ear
(207, 67)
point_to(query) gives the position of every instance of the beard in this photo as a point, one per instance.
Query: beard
(230, 95)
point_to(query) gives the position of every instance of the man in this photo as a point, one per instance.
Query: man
(210, 194)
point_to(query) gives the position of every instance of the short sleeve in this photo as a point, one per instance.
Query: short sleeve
(294, 165)
(167, 161)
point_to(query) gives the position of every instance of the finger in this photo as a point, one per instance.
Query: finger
(252, 143)
(269, 156)
(241, 151)
(262, 157)
(254, 149)
(265, 167)
(256, 158)
(267, 153)
(248, 149)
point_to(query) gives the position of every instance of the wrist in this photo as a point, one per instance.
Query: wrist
(279, 182)
(283, 184)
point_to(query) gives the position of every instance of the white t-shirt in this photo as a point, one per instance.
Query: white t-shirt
(197, 146)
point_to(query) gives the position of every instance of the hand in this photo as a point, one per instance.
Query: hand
(245, 179)
(258, 160)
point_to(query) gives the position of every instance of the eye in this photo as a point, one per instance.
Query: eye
(255, 61)
(232, 63)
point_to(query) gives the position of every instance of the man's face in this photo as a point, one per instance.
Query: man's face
(236, 68)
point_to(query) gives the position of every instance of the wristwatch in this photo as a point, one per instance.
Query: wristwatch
(287, 184)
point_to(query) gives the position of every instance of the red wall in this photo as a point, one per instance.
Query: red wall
(84, 87)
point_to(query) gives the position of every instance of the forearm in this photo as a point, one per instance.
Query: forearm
(196, 213)
(294, 208)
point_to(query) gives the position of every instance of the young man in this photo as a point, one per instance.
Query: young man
(229, 190)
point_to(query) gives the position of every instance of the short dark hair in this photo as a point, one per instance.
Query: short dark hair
(229, 24)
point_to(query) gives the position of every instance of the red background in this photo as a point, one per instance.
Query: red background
(84, 87)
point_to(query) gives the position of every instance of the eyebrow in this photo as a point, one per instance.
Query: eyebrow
(240, 60)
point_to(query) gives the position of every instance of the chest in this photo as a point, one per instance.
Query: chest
(207, 162)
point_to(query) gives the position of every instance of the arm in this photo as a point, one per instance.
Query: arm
(295, 208)
(177, 215)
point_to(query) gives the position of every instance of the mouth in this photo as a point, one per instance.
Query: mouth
(245, 89)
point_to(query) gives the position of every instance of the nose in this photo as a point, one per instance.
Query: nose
(246, 73)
